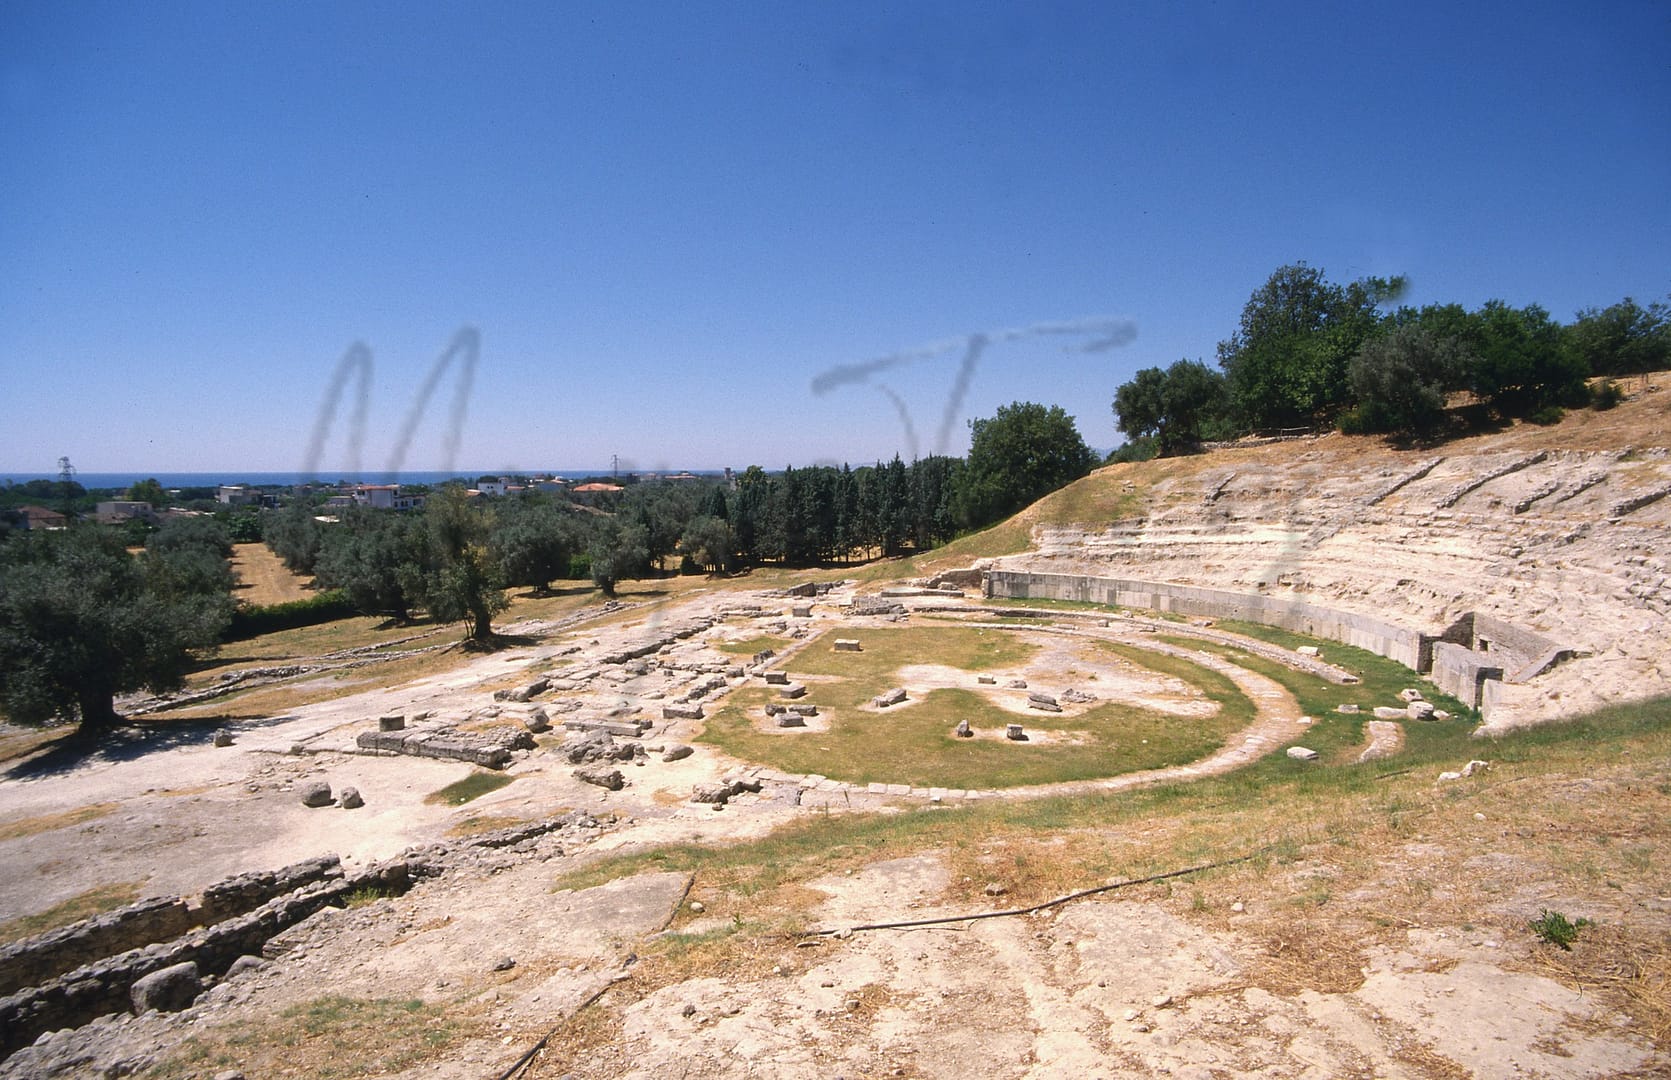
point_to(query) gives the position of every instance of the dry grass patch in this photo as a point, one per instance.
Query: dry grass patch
(328, 1038)
(263, 578)
(95, 901)
(752, 645)
(1623, 966)
(20, 742)
(17, 828)
(1311, 954)
(284, 695)
(476, 824)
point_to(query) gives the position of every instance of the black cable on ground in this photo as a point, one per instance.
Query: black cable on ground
(523, 1061)
(1060, 900)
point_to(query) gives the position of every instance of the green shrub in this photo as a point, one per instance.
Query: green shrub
(1606, 395)
(1549, 414)
(1554, 928)
(254, 620)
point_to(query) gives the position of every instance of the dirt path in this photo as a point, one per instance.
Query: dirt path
(263, 578)
(1276, 721)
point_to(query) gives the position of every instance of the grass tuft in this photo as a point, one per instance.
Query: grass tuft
(474, 786)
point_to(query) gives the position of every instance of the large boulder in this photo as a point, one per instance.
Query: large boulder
(169, 990)
(601, 776)
(315, 793)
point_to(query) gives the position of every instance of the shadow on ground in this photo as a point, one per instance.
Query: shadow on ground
(129, 742)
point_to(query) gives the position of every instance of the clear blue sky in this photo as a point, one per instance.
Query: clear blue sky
(666, 220)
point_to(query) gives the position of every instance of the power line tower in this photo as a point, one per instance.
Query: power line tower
(66, 477)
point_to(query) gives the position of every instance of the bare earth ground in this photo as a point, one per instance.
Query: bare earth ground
(1373, 930)
(263, 578)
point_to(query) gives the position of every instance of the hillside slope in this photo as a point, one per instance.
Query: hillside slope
(1561, 530)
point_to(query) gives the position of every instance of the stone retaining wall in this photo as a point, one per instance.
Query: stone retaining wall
(1463, 673)
(1470, 659)
(104, 986)
(1411, 648)
(37, 959)
(1512, 646)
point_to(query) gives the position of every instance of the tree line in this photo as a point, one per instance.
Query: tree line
(455, 558)
(1309, 352)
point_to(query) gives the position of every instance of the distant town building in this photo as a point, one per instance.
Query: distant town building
(39, 517)
(382, 497)
(116, 511)
(239, 495)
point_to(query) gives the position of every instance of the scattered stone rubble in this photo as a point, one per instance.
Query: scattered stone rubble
(723, 792)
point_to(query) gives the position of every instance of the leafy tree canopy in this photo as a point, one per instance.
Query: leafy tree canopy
(460, 580)
(1401, 380)
(1286, 363)
(148, 491)
(1017, 457)
(82, 620)
(1177, 407)
(1624, 339)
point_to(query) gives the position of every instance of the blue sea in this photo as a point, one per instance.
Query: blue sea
(96, 481)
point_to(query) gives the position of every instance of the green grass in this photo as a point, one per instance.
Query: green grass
(887, 649)
(474, 786)
(1336, 736)
(750, 646)
(95, 901)
(915, 743)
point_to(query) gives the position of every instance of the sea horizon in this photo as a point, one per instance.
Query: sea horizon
(257, 478)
